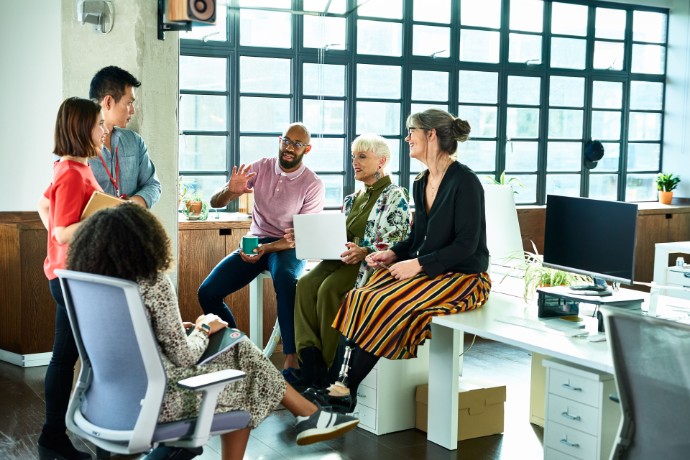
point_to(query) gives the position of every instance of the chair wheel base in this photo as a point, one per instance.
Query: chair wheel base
(173, 453)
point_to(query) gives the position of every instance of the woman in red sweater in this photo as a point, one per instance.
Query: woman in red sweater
(79, 134)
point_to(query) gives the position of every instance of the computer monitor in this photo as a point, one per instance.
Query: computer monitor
(591, 237)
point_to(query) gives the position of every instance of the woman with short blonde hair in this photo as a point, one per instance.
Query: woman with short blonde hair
(377, 217)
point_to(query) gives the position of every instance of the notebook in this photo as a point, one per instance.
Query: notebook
(320, 236)
(98, 201)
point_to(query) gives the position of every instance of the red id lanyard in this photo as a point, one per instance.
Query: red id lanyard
(116, 180)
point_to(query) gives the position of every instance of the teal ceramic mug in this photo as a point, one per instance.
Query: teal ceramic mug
(249, 243)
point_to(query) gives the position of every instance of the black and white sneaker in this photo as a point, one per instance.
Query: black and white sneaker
(322, 426)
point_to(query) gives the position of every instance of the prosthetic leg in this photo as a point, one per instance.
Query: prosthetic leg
(345, 368)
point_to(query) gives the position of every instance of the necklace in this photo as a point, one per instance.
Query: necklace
(434, 188)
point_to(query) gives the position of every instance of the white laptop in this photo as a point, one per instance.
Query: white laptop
(320, 236)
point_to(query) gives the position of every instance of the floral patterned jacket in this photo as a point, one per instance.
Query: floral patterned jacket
(388, 223)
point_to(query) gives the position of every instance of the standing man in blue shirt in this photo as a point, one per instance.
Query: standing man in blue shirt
(123, 168)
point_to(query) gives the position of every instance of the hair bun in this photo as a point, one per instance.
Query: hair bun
(461, 129)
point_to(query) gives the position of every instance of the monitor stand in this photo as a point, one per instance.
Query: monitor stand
(599, 288)
(561, 301)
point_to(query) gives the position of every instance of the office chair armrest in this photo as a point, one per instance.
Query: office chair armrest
(200, 382)
(210, 385)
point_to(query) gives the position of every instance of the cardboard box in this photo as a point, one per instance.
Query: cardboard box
(480, 408)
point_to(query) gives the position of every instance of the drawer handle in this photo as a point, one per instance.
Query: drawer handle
(570, 444)
(568, 386)
(567, 415)
(225, 231)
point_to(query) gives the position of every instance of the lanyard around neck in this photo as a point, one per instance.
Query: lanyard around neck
(113, 180)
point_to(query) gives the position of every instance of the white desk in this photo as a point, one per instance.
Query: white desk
(444, 366)
(661, 264)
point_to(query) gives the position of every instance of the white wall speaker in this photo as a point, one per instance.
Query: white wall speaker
(203, 11)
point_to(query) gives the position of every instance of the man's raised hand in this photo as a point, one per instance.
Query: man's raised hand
(239, 178)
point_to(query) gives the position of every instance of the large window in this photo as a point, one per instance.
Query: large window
(535, 79)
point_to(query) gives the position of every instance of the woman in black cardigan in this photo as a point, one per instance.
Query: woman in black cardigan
(440, 269)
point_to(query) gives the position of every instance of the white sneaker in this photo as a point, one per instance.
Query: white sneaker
(322, 426)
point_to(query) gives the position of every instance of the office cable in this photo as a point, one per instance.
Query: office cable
(474, 337)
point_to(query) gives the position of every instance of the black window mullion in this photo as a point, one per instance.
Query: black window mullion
(351, 100)
(233, 155)
(232, 51)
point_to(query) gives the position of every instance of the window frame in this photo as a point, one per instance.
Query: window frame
(408, 62)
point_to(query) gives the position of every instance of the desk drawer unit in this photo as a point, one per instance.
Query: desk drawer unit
(556, 455)
(570, 441)
(366, 416)
(573, 414)
(574, 387)
(677, 276)
(580, 420)
(366, 396)
(386, 397)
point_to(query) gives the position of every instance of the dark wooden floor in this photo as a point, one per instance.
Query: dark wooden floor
(22, 411)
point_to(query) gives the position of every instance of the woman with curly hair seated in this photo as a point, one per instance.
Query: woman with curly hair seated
(128, 242)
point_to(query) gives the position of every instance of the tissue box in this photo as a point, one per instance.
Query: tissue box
(480, 408)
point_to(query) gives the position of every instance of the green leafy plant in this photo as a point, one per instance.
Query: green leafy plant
(666, 182)
(195, 207)
(181, 192)
(537, 275)
(512, 182)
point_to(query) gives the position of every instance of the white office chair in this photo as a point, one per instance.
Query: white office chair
(650, 358)
(117, 399)
(503, 236)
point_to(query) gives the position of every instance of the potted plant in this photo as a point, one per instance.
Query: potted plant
(194, 204)
(666, 183)
(195, 208)
(537, 275)
(512, 182)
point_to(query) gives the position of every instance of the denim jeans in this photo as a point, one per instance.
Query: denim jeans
(232, 273)
(60, 373)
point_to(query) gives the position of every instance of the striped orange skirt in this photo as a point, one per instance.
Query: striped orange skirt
(391, 318)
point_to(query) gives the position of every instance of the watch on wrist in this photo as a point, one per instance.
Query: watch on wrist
(205, 328)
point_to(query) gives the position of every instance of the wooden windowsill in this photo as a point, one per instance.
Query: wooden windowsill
(224, 220)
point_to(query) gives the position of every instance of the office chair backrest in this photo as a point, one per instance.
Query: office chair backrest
(503, 236)
(117, 347)
(651, 358)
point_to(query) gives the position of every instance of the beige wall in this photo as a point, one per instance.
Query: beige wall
(133, 45)
(31, 92)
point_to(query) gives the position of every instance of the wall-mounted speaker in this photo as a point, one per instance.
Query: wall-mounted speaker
(203, 11)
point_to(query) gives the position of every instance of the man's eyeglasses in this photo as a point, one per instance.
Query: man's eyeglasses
(287, 143)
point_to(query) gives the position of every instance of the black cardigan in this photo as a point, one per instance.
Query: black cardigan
(452, 236)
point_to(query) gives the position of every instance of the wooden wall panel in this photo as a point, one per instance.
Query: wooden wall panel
(532, 220)
(198, 252)
(26, 307)
(10, 294)
(38, 316)
(201, 245)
